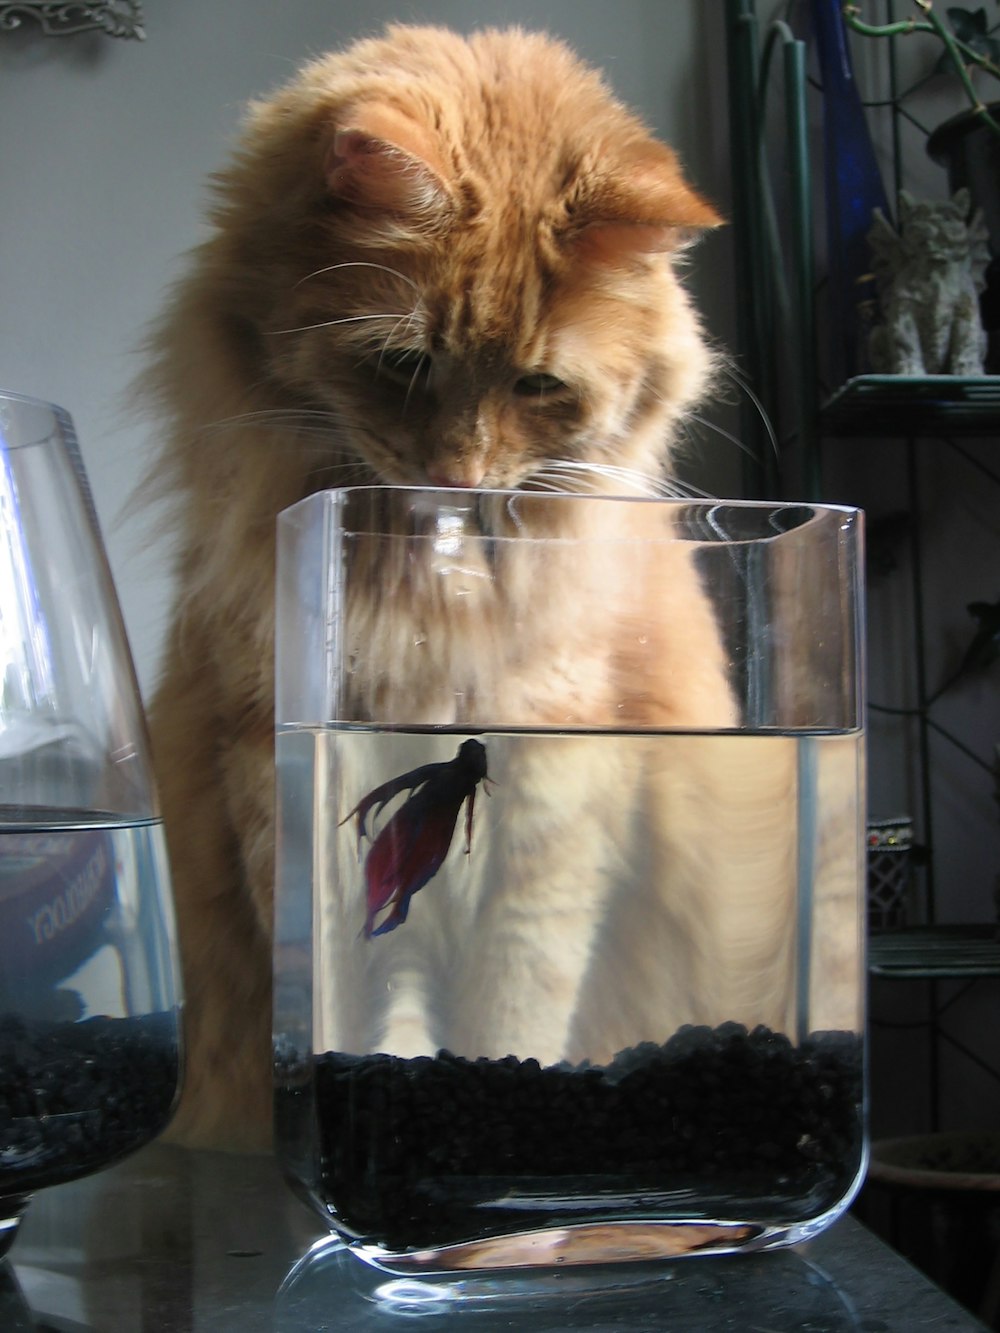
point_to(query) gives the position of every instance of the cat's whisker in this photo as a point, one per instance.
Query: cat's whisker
(330, 323)
(320, 426)
(744, 386)
(551, 480)
(572, 485)
(596, 473)
(411, 388)
(539, 482)
(731, 371)
(721, 431)
(357, 263)
(676, 489)
(269, 417)
(312, 433)
(407, 322)
(344, 474)
(557, 477)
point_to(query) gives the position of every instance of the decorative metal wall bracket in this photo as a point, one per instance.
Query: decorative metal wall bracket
(58, 18)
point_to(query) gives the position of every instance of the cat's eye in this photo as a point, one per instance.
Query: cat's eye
(406, 366)
(538, 385)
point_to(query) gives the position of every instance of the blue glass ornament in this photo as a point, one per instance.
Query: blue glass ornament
(854, 189)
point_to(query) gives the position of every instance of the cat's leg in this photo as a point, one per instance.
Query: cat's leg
(744, 881)
(707, 933)
(836, 982)
(393, 982)
(225, 949)
(530, 938)
(404, 1025)
(744, 905)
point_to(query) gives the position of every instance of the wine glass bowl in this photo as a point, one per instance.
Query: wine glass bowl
(90, 1036)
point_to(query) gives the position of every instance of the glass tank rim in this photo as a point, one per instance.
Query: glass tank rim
(468, 499)
(572, 730)
(29, 399)
(56, 415)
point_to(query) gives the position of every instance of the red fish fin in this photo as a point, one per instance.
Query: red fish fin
(407, 853)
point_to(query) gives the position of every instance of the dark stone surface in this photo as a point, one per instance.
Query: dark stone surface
(178, 1240)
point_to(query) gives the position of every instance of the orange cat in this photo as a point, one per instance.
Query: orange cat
(434, 260)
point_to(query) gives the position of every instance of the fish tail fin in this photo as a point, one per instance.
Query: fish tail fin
(396, 917)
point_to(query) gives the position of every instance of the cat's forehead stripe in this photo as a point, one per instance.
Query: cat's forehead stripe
(493, 302)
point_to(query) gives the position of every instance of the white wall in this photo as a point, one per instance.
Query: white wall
(105, 147)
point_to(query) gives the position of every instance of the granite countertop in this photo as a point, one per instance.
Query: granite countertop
(175, 1240)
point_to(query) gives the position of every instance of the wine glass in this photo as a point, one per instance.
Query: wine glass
(90, 1045)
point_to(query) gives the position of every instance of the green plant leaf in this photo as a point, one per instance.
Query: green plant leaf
(968, 26)
(972, 28)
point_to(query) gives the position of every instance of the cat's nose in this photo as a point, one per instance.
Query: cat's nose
(459, 473)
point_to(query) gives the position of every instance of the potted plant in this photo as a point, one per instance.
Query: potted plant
(969, 45)
(968, 144)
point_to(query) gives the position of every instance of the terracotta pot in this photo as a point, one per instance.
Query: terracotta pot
(944, 1211)
(958, 1160)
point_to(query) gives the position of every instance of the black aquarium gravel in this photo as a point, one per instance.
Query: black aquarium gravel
(739, 1123)
(76, 1096)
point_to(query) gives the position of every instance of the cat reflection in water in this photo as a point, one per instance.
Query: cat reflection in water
(448, 261)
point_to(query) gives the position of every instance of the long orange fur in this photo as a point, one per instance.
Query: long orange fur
(432, 260)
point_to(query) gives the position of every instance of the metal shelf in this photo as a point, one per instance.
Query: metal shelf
(779, 328)
(914, 405)
(936, 952)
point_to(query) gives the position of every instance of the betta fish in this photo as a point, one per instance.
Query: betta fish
(409, 851)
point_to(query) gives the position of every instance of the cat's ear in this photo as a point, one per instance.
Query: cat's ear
(644, 207)
(381, 159)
